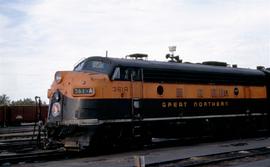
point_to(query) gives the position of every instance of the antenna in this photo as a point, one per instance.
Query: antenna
(106, 53)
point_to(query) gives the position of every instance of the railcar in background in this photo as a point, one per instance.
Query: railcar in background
(15, 115)
(117, 100)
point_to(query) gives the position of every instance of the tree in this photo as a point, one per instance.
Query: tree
(25, 101)
(4, 100)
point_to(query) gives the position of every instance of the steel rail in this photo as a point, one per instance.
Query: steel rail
(212, 158)
(34, 156)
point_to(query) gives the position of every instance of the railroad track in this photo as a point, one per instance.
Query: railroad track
(20, 154)
(18, 142)
(17, 129)
(213, 158)
(18, 139)
(18, 146)
(36, 156)
(191, 161)
(17, 133)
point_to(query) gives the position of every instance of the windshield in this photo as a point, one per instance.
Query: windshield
(93, 65)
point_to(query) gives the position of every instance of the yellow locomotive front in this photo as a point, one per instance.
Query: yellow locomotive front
(93, 103)
(74, 102)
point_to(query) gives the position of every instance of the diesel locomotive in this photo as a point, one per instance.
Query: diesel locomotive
(113, 100)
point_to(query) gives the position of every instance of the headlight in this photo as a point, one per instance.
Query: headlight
(58, 77)
(56, 109)
(57, 96)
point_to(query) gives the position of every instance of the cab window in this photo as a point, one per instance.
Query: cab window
(94, 65)
(127, 74)
(79, 66)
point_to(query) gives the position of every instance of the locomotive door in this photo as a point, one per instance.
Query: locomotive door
(136, 93)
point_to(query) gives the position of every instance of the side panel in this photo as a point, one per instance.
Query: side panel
(204, 91)
(115, 99)
(158, 109)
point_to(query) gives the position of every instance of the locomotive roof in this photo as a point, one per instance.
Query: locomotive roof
(177, 66)
(249, 75)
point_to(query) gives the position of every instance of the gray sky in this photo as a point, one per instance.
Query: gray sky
(39, 37)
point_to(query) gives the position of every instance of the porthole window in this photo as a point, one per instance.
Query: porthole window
(236, 91)
(160, 90)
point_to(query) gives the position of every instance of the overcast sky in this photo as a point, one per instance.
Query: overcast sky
(39, 37)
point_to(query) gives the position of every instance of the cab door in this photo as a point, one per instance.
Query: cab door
(136, 93)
